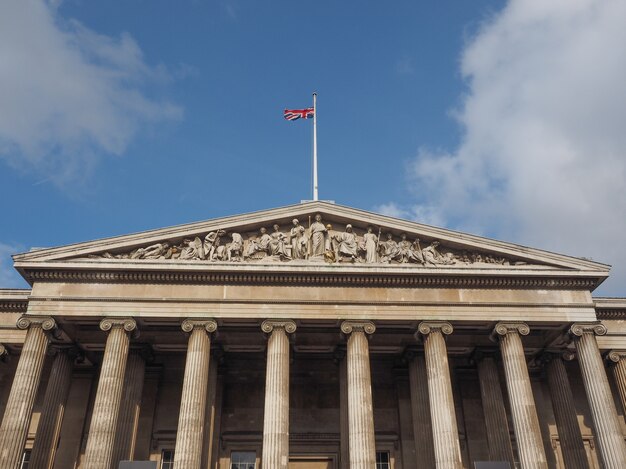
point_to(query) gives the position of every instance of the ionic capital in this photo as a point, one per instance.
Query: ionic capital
(348, 327)
(208, 325)
(128, 324)
(145, 351)
(550, 355)
(484, 352)
(504, 328)
(428, 327)
(286, 324)
(579, 328)
(72, 351)
(47, 323)
(616, 355)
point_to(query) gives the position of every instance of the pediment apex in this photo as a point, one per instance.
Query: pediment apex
(459, 247)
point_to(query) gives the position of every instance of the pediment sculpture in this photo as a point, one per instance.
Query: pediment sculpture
(318, 243)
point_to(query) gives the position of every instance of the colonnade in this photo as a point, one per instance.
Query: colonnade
(431, 397)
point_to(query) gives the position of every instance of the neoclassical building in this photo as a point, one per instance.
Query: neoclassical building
(313, 336)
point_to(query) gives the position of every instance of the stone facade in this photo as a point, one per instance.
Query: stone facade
(312, 336)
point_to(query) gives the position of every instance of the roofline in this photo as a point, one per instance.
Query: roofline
(452, 236)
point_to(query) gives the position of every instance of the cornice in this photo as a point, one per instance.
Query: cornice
(610, 308)
(604, 314)
(14, 300)
(280, 301)
(412, 279)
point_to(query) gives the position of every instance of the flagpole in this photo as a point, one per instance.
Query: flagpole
(315, 146)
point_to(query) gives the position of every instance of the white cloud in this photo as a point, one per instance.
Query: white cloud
(423, 214)
(68, 94)
(543, 157)
(9, 278)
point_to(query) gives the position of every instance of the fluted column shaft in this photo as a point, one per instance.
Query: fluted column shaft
(100, 444)
(496, 423)
(618, 357)
(362, 441)
(128, 419)
(276, 415)
(442, 412)
(190, 434)
(572, 445)
(19, 407)
(523, 409)
(601, 403)
(344, 418)
(44, 448)
(420, 408)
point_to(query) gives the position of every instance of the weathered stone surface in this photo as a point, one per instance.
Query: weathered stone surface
(24, 389)
(49, 427)
(276, 414)
(601, 403)
(523, 409)
(101, 442)
(360, 407)
(494, 411)
(420, 407)
(572, 445)
(445, 431)
(190, 433)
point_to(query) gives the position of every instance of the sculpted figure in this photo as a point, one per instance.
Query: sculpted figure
(348, 243)
(108, 255)
(277, 245)
(434, 257)
(259, 245)
(192, 249)
(297, 240)
(234, 249)
(317, 235)
(212, 243)
(404, 249)
(151, 252)
(465, 258)
(370, 240)
(331, 245)
(415, 253)
(389, 249)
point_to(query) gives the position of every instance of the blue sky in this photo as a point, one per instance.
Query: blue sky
(502, 118)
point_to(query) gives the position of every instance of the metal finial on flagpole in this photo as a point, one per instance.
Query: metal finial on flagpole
(315, 197)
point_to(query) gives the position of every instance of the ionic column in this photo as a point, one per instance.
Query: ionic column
(7, 371)
(572, 445)
(276, 415)
(190, 434)
(601, 403)
(19, 407)
(442, 413)
(523, 408)
(100, 444)
(493, 408)
(618, 359)
(44, 448)
(344, 418)
(420, 409)
(128, 419)
(361, 437)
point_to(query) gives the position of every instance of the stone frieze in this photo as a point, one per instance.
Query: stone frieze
(317, 243)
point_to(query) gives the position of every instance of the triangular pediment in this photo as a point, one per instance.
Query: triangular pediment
(271, 237)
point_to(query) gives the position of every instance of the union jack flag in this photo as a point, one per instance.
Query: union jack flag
(295, 114)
